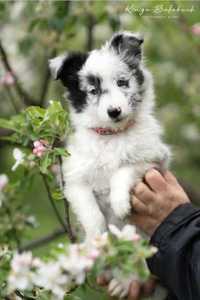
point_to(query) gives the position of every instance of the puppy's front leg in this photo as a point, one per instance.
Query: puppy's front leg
(120, 185)
(84, 205)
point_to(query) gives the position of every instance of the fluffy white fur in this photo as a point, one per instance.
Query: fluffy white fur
(102, 168)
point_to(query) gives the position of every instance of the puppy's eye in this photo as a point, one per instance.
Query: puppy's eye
(93, 91)
(123, 83)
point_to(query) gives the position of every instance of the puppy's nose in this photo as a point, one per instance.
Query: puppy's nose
(114, 112)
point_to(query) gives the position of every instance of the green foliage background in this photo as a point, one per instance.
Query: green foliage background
(34, 31)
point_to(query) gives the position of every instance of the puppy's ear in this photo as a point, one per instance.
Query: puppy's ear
(55, 65)
(128, 46)
(66, 67)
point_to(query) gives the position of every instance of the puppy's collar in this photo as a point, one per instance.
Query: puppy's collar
(111, 131)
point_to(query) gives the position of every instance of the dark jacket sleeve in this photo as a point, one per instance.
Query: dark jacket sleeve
(177, 262)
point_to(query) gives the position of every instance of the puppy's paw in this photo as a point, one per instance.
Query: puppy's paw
(119, 288)
(98, 227)
(120, 203)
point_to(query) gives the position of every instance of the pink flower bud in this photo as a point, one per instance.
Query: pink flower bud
(35, 151)
(39, 153)
(196, 29)
(3, 181)
(41, 148)
(9, 79)
(94, 254)
(136, 237)
(37, 144)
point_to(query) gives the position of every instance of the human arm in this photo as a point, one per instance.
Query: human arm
(162, 209)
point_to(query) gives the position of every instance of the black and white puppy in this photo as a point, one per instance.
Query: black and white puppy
(116, 137)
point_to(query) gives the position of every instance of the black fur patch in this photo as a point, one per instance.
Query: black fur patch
(116, 42)
(139, 76)
(70, 79)
(95, 81)
(129, 47)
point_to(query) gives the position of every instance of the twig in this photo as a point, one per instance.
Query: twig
(66, 203)
(43, 240)
(90, 29)
(5, 132)
(59, 218)
(22, 296)
(193, 193)
(12, 100)
(10, 217)
(45, 86)
(27, 100)
(46, 81)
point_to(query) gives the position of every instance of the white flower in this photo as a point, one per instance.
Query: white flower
(100, 241)
(128, 233)
(77, 262)
(3, 181)
(50, 277)
(31, 220)
(21, 271)
(19, 158)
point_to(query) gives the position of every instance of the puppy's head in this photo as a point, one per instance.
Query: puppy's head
(108, 86)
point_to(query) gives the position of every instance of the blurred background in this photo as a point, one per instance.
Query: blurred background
(31, 32)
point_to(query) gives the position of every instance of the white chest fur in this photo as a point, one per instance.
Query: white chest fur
(96, 158)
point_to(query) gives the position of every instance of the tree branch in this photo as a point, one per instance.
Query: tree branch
(14, 230)
(43, 240)
(90, 36)
(27, 100)
(12, 100)
(22, 296)
(45, 86)
(193, 193)
(47, 77)
(59, 218)
(66, 203)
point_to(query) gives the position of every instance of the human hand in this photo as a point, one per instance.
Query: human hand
(154, 199)
(137, 289)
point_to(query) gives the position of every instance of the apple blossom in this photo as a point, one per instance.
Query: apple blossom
(100, 241)
(74, 262)
(50, 277)
(127, 233)
(196, 29)
(7, 79)
(3, 181)
(40, 147)
(21, 276)
(19, 158)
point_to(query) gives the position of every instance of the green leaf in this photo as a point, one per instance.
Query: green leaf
(61, 151)
(45, 163)
(8, 124)
(57, 194)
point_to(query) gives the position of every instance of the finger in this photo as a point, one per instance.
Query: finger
(149, 287)
(138, 206)
(170, 178)
(102, 281)
(143, 193)
(155, 180)
(134, 290)
(104, 278)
